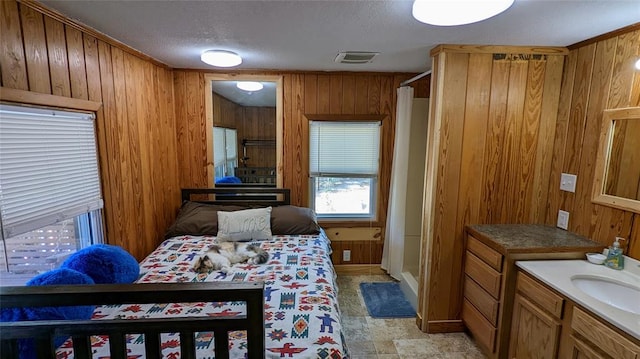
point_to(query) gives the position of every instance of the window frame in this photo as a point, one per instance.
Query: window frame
(377, 210)
(225, 163)
(16, 97)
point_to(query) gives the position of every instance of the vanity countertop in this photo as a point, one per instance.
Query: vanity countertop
(558, 275)
(531, 238)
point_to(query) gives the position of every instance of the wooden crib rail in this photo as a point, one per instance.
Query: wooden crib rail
(44, 332)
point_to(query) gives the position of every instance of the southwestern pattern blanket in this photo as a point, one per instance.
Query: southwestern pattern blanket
(302, 317)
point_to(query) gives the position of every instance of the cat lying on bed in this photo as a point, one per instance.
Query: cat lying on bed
(223, 255)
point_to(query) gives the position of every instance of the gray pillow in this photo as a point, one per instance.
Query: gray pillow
(198, 219)
(245, 225)
(293, 220)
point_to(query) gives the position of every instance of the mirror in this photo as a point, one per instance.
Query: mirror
(617, 176)
(244, 131)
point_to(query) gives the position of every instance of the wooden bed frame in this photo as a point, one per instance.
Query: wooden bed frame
(44, 332)
(243, 196)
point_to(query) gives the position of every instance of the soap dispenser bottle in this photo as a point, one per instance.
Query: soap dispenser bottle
(615, 259)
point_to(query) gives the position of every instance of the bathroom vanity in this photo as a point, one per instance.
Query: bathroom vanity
(490, 274)
(575, 309)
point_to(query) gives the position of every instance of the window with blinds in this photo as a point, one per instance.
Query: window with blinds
(50, 196)
(225, 151)
(343, 168)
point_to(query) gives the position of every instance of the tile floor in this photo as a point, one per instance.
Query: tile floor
(369, 338)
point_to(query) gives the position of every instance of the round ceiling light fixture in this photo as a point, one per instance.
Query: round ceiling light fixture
(249, 85)
(457, 12)
(638, 64)
(221, 58)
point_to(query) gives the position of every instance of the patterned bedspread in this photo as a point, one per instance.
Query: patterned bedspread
(301, 310)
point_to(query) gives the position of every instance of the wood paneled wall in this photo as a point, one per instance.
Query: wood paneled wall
(226, 113)
(44, 53)
(252, 123)
(258, 123)
(493, 113)
(304, 94)
(598, 75)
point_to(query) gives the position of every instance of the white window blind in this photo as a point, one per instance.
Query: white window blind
(48, 167)
(344, 148)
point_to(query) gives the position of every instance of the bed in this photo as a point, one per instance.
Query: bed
(285, 308)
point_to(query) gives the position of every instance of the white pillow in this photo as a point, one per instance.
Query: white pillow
(249, 224)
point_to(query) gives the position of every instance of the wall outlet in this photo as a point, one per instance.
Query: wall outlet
(563, 219)
(346, 255)
(568, 182)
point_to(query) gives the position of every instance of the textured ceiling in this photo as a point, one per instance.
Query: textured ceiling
(307, 34)
(263, 98)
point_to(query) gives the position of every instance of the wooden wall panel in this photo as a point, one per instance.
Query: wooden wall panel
(487, 123)
(544, 164)
(492, 178)
(58, 61)
(597, 76)
(77, 69)
(12, 62)
(447, 264)
(36, 50)
(135, 126)
(259, 123)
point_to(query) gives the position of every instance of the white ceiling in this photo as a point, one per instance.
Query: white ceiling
(263, 98)
(307, 34)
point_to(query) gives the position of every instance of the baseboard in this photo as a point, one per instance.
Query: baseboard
(359, 269)
(445, 326)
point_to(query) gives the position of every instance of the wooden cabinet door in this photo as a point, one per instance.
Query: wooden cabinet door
(582, 350)
(534, 333)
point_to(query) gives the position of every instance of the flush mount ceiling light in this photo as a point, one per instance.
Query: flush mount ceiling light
(638, 64)
(249, 85)
(457, 12)
(221, 58)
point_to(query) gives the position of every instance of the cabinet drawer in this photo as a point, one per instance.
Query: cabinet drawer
(484, 275)
(481, 300)
(540, 295)
(603, 337)
(481, 329)
(488, 255)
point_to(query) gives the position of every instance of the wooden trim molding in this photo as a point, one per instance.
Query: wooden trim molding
(606, 148)
(445, 326)
(345, 118)
(89, 31)
(39, 99)
(349, 224)
(359, 269)
(605, 36)
(492, 49)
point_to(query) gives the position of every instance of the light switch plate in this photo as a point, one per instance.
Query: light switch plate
(563, 219)
(568, 182)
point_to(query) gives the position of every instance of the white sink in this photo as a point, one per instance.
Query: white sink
(610, 291)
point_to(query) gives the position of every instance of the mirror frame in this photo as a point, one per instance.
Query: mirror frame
(279, 118)
(602, 161)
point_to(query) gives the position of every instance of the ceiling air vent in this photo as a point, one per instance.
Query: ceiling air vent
(355, 57)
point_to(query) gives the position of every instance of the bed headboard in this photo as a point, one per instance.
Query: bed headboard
(244, 196)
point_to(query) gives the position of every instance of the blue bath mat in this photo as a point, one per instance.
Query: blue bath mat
(386, 300)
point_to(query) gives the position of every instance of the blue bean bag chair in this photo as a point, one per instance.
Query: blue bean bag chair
(26, 347)
(228, 179)
(105, 264)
